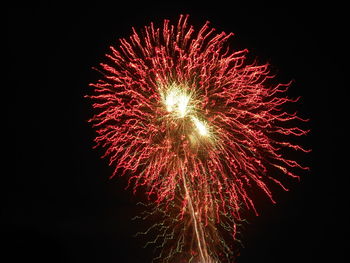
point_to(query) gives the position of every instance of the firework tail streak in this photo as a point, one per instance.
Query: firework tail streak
(197, 127)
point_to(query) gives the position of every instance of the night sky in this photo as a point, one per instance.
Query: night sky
(58, 204)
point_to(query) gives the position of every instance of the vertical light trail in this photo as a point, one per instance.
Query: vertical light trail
(197, 225)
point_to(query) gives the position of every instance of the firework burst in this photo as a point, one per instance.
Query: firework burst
(194, 125)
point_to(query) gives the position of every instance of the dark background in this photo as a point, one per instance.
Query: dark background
(58, 204)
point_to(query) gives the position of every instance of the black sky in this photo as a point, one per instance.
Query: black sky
(58, 204)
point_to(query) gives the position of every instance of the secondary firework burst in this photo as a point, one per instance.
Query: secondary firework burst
(198, 129)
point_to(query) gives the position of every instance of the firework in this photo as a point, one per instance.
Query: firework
(198, 129)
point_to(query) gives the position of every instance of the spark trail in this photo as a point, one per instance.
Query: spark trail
(198, 129)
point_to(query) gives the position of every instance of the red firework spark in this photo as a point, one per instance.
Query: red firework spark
(196, 126)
